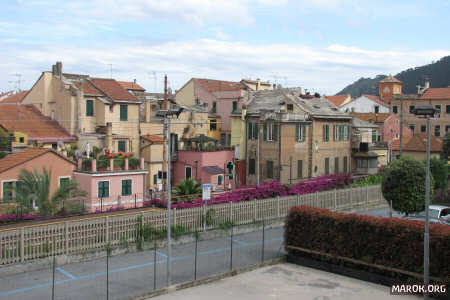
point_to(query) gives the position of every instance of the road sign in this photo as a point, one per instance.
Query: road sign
(206, 191)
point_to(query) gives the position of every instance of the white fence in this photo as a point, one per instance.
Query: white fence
(73, 237)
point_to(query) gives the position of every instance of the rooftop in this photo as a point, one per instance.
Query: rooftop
(152, 138)
(25, 155)
(436, 93)
(376, 99)
(358, 123)
(27, 119)
(418, 143)
(337, 100)
(213, 85)
(131, 85)
(371, 117)
(113, 89)
(390, 78)
(15, 98)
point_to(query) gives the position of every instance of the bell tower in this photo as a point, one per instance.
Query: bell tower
(389, 86)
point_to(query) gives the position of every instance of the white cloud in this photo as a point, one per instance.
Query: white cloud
(326, 70)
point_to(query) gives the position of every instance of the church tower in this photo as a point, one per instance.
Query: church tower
(388, 87)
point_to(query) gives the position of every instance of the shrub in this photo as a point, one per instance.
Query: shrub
(2, 154)
(119, 162)
(391, 242)
(439, 170)
(133, 162)
(87, 163)
(403, 183)
(370, 180)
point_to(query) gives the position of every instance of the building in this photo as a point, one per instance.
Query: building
(221, 98)
(366, 104)
(31, 159)
(112, 186)
(255, 85)
(416, 147)
(437, 97)
(207, 166)
(14, 98)
(30, 127)
(388, 88)
(84, 107)
(339, 100)
(290, 138)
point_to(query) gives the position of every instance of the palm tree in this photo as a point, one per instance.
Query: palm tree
(188, 187)
(34, 189)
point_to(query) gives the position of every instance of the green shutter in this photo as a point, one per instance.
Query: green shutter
(123, 112)
(299, 169)
(121, 146)
(335, 128)
(275, 132)
(327, 133)
(327, 165)
(303, 132)
(103, 189)
(89, 107)
(256, 130)
(249, 131)
(219, 179)
(297, 132)
(265, 131)
(324, 133)
(345, 164)
(126, 187)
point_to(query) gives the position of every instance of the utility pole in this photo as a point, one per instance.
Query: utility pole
(401, 125)
(164, 166)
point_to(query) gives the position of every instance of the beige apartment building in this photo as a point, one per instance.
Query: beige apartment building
(289, 137)
(98, 111)
(437, 97)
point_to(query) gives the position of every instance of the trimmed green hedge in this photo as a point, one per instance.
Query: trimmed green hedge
(396, 243)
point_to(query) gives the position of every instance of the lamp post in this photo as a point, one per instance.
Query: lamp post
(427, 111)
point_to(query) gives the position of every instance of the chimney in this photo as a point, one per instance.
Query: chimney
(58, 69)
(108, 138)
(258, 84)
(54, 70)
(134, 81)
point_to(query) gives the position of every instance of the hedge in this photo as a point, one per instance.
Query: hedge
(391, 242)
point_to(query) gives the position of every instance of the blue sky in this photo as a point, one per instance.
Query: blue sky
(321, 45)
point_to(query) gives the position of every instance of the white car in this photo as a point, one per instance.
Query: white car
(437, 213)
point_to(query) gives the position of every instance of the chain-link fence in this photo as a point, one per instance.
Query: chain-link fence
(138, 267)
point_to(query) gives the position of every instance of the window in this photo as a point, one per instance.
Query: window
(341, 132)
(219, 179)
(235, 106)
(438, 106)
(300, 132)
(229, 140)
(121, 146)
(252, 132)
(336, 165)
(63, 180)
(437, 130)
(299, 169)
(423, 128)
(377, 109)
(8, 191)
(411, 109)
(155, 179)
(327, 165)
(251, 166)
(345, 165)
(223, 139)
(214, 107)
(396, 135)
(374, 136)
(89, 108)
(103, 189)
(22, 140)
(326, 133)
(54, 146)
(213, 125)
(126, 187)
(269, 169)
(187, 172)
(447, 109)
(290, 107)
(447, 129)
(412, 127)
(270, 132)
(395, 109)
(123, 112)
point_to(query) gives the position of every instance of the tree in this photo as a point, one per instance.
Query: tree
(403, 183)
(439, 170)
(34, 188)
(188, 187)
(445, 148)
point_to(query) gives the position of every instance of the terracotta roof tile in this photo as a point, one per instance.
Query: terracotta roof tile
(15, 98)
(371, 117)
(217, 85)
(396, 143)
(88, 89)
(23, 156)
(131, 86)
(113, 89)
(437, 93)
(419, 142)
(337, 100)
(153, 138)
(27, 119)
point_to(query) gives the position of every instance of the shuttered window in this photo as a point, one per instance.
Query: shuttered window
(103, 189)
(126, 187)
(299, 169)
(123, 112)
(336, 165)
(327, 165)
(89, 108)
(300, 132)
(269, 169)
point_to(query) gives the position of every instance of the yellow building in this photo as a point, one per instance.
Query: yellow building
(86, 106)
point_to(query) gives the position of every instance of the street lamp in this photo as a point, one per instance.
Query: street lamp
(427, 111)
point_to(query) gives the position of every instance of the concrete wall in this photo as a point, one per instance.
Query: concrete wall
(58, 166)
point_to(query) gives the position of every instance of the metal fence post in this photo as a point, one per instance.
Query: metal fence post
(107, 273)
(154, 266)
(101, 204)
(231, 249)
(22, 247)
(231, 212)
(263, 238)
(107, 229)
(53, 278)
(195, 257)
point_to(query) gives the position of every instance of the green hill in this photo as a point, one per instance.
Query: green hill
(437, 72)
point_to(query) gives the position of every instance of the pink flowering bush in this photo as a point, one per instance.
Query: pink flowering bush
(14, 218)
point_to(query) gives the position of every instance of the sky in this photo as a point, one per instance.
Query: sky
(320, 45)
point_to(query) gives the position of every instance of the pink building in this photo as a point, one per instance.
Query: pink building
(391, 129)
(114, 187)
(204, 167)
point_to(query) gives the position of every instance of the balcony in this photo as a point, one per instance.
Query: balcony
(110, 164)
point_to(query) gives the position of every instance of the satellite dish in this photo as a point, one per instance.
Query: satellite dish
(78, 154)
